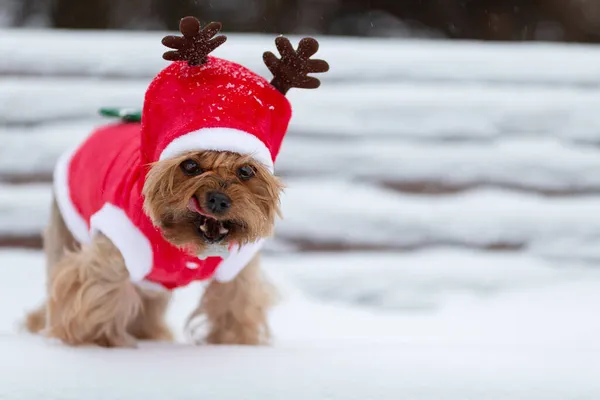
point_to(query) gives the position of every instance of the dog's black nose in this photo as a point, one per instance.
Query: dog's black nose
(217, 202)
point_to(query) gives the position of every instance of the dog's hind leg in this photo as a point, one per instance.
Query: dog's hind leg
(150, 322)
(237, 311)
(57, 240)
(91, 298)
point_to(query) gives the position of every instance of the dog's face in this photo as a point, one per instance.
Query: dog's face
(211, 198)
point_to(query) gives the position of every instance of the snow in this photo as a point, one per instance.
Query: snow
(24, 209)
(544, 139)
(449, 114)
(533, 337)
(365, 213)
(136, 54)
(62, 99)
(456, 111)
(451, 117)
(43, 143)
(412, 111)
(511, 144)
(542, 164)
(426, 281)
(329, 211)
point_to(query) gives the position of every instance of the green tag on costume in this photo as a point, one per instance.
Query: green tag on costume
(125, 114)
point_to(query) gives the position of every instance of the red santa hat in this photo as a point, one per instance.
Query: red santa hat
(220, 106)
(201, 102)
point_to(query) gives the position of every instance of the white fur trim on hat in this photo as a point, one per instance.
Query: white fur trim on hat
(237, 260)
(220, 139)
(74, 222)
(131, 242)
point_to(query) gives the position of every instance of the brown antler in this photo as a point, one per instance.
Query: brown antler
(195, 44)
(294, 66)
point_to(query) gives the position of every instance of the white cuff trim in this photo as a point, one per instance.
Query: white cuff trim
(220, 139)
(237, 261)
(131, 242)
(73, 220)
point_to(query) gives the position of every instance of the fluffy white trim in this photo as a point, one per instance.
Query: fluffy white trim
(237, 260)
(131, 242)
(220, 139)
(74, 222)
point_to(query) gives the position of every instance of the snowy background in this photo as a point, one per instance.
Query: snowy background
(441, 237)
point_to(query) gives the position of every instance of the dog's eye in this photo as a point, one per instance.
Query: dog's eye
(191, 168)
(246, 172)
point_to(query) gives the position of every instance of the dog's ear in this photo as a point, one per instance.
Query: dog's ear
(195, 44)
(292, 69)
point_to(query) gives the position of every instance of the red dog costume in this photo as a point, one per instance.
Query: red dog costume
(219, 106)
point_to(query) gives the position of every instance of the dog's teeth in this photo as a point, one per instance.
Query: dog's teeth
(204, 228)
(223, 230)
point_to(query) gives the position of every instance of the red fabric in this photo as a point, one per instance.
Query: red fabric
(107, 168)
(110, 167)
(183, 99)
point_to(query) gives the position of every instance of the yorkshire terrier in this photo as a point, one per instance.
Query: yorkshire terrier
(188, 194)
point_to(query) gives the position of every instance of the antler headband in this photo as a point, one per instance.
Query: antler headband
(289, 71)
(195, 44)
(292, 69)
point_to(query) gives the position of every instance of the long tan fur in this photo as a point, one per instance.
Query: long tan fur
(57, 240)
(236, 311)
(150, 323)
(91, 300)
(255, 204)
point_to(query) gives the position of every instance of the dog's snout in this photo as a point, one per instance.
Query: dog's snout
(217, 202)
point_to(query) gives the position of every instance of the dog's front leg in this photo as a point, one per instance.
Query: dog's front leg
(236, 311)
(91, 299)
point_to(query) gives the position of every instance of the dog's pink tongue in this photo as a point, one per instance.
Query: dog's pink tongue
(194, 206)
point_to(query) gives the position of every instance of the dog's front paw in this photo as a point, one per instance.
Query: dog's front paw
(227, 331)
(126, 341)
(234, 332)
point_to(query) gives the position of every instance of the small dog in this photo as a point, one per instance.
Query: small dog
(188, 194)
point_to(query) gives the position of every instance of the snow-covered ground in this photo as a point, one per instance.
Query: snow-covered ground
(438, 325)
(468, 175)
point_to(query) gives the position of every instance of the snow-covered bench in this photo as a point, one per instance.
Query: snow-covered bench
(478, 145)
